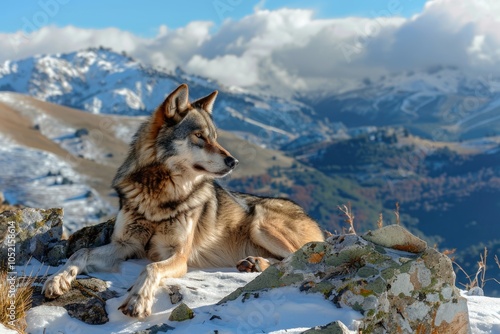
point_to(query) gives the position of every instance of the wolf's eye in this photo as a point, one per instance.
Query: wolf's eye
(198, 134)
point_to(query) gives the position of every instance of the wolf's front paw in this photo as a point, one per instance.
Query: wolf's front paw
(57, 285)
(253, 264)
(137, 305)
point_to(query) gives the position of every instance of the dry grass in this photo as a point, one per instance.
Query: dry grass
(380, 221)
(15, 300)
(348, 215)
(396, 213)
(479, 279)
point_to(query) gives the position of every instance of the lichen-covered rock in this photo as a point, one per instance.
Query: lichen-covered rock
(336, 327)
(181, 313)
(86, 300)
(37, 231)
(395, 291)
(91, 236)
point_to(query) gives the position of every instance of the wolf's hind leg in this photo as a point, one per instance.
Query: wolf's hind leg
(273, 240)
(104, 258)
(281, 228)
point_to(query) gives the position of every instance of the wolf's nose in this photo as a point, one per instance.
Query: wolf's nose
(231, 162)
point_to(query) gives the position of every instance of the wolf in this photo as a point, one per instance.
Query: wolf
(173, 212)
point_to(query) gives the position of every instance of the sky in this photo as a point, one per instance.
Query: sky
(278, 45)
(144, 20)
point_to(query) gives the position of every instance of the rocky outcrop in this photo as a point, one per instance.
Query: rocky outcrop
(389, 276)
(37, 234)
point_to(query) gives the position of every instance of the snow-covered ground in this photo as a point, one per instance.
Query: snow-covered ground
(283, 310)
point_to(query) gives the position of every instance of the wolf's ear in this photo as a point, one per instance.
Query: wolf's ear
(206, 103)
(177, 102)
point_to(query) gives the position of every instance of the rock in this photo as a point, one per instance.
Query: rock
(336, 327)
(396, 237)
(163, 328)
(475, 291)
(57, 254)
(181, 313)
(37, 232)
(91, 236)
(395, 291)
(86, 300)
(174, 292)
(2, 198)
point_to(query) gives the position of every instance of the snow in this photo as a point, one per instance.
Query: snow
(272, 312)
(5, 330)
(484, 314)
(283, 310)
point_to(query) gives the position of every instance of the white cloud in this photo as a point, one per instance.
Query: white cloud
(290, 49)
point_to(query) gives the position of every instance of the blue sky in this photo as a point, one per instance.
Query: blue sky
(144, 17)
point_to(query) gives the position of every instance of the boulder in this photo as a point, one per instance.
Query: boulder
(34, 232)
(396, 291)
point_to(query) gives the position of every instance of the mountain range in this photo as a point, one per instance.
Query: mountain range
(427, 140)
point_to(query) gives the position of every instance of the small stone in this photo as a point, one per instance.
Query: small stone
(336, 327)
(396, 237)
(57, 253)
(181, 313)
(475, 291)
(174, 294)
(162, 328)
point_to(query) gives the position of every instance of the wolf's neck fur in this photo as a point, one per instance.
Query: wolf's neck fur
(158, 194)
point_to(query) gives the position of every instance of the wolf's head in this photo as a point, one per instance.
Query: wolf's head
(186, 137)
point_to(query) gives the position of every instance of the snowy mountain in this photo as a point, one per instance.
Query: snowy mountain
(102, 81)
(441, 103)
